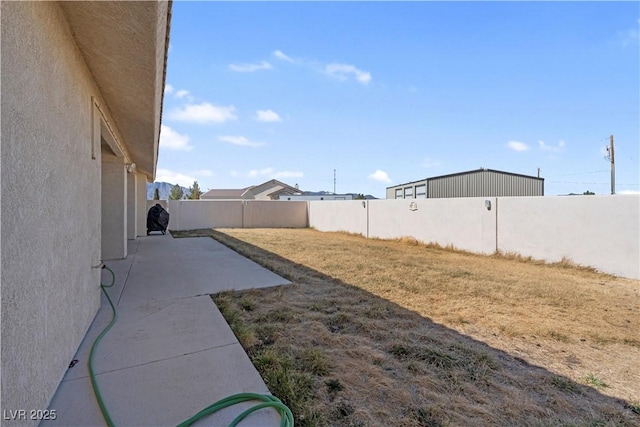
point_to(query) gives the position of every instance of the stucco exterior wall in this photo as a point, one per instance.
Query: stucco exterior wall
(114, 208)
(132, 208)
(50, 291)
(462, 222)
(195, 214)
(598, 231)
(339, 215)
(275, 214)
(141, 203)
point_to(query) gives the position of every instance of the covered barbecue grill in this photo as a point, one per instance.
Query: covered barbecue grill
(157, 219)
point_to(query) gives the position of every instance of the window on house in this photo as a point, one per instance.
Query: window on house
(399, 193)
(421, 191)
(408, 193)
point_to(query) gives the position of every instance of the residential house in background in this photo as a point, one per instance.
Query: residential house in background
(308, 196)
(270, 190)
(82, 89)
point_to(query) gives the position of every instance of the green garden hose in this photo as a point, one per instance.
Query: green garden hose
(268, 401)
(92, 375)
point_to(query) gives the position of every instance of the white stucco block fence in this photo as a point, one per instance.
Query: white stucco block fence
(597, 231)
(195, 214)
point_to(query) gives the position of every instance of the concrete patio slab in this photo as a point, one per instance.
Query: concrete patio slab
(190, 267)
(167, 392)
(121, 268)
(142, 333)
(171, 353)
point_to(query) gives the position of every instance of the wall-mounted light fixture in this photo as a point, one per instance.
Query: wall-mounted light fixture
(487, 204)
(131, 167)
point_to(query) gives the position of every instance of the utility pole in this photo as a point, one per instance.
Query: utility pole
(538, 172)
(334, 181)
(611, 157)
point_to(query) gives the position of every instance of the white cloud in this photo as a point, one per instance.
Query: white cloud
(203, 172)
(546, 147)
(240, 140)
(203, 113)
(172, 140)
(381, 176)
(267, 116)
(280, 55)
(335, 70)
(630, 36)
(517, 146)
(343, 71)
(272, 173)
(260, 172)
(172, 177)
(249, 68)
(180, 94)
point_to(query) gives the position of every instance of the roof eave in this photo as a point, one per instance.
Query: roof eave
(125, 47)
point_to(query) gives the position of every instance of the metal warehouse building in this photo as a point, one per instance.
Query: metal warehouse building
(475, 183)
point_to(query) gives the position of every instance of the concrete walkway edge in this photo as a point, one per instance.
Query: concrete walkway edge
(171, 353)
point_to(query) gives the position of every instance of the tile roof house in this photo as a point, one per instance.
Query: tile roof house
(270, 190)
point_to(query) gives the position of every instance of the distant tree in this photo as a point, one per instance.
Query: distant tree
(589, 193)
(360, 196)
(176, 193)
(194, 191)
(156, 194)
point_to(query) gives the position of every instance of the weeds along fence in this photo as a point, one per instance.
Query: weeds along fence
(596, 231)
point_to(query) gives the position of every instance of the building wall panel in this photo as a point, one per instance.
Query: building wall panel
(486, 183)
(598, 231)
(275, 214)
(51, 203)
(344, 215)
(196, 214)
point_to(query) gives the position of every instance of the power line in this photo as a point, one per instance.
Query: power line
(584, 173)
(592, 183)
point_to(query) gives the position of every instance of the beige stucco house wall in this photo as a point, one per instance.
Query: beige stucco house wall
(76, 101)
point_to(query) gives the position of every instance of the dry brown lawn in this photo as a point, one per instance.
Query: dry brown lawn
(376, 332)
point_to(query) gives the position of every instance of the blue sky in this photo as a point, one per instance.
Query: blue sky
(392, 92)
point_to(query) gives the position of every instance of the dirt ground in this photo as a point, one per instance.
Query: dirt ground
(400, 333)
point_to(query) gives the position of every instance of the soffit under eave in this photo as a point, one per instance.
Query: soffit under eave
(124, 45)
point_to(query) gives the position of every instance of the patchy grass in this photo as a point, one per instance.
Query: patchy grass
(596, 382)
(376, 332)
